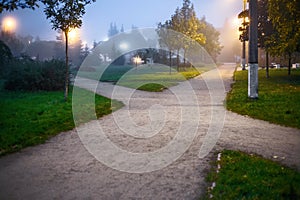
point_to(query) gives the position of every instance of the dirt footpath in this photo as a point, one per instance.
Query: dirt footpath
(63, 168)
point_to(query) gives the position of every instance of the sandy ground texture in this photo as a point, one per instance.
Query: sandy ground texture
(160, 145)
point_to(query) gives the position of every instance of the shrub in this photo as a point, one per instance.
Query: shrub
(5, 57)
(29, 75)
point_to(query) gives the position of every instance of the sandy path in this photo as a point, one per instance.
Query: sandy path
(63, 169)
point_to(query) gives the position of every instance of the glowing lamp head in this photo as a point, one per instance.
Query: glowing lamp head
(9, 24)
(137, 60)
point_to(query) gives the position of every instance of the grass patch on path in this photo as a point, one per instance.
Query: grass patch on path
(28, 119)
(279, 97)
(244, 176)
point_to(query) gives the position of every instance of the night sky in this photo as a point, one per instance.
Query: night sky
(142, 14)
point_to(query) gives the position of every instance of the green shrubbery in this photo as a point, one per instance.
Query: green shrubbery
(30, 75)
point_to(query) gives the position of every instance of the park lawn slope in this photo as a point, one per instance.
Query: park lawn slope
(151, 78)
(279, 97)
(30, 118)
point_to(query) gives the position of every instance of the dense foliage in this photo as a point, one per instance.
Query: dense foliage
(186, 22)
(11, 5)
(29, 75)
(5, 57)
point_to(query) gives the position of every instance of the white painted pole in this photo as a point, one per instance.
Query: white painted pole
(253, 51)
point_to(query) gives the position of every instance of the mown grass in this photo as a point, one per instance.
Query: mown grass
(279, 97)
(152, 78)
(28, 118)
(112, 73)
(244, 176)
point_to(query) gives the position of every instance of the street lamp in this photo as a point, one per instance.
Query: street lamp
(9, 24)
(244, 29)
(136, 60)
(73, 36)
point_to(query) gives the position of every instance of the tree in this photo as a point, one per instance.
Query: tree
(11, 5)
(66, 15)
(122, 29)
(265, 30)
(285, 16)
(167, 39)
(113, 30)
(212, 44)
(5, 57)
(185, 21)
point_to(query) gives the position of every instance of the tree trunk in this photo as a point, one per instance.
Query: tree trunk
(184, 59)
(177, 60)
(67, 69)
(290, 63)
(170, 60)
(267, 64)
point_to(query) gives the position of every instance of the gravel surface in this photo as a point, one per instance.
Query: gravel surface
(63, 168)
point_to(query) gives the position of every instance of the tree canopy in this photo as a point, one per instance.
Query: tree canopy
(185, 21)
(285, 17)
(11, 5)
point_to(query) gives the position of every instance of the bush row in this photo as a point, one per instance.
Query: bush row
(31, 75)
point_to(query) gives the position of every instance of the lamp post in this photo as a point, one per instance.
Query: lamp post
(253, 51)
(136, 60)
(244, 29)
(244, 41)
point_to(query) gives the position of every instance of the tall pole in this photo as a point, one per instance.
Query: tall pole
(244, 41)
(253, 51)
(244, 55)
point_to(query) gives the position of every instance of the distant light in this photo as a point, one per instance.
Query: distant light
(124, 46)
(137, 60)
(9, 24)
(105, 39)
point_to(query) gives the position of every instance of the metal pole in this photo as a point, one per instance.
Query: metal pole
(244, 42)
(253, 51)
(244, 56)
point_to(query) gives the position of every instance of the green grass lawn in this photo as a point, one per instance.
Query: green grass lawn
(152, 78)
(279, 97)
(112, 73)
(31, 118)
(244, 176)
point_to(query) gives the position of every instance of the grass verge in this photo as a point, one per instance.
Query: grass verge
(28, 119)
(279, 97)
(244, 176)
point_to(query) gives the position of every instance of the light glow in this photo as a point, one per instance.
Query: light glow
(9, 24)
(236, 22)
(124, 46)
(137, 60)
(73, 34)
